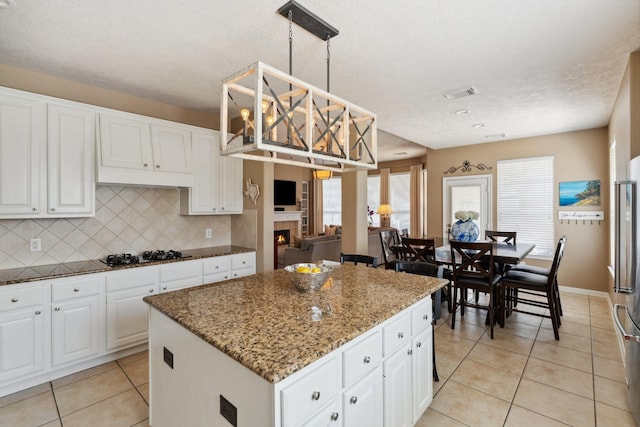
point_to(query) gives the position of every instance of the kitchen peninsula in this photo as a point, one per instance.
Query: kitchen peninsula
(256, 351)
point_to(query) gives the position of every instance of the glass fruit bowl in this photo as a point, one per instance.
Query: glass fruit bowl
(308, 276)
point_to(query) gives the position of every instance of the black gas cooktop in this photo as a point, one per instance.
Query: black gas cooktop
(147, 256)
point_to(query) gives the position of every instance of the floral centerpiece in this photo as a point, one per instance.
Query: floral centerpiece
(370, 214)
(464, 228)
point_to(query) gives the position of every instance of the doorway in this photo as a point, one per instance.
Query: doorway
(472, 193)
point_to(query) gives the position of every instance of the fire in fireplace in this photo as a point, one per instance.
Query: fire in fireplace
(282, 237)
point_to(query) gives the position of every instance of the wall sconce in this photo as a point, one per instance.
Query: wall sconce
(322, 174)
(384, 211)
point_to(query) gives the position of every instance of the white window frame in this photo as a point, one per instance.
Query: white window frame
(526, 200)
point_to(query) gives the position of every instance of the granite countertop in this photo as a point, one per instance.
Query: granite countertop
(66, 269)
(266, 324)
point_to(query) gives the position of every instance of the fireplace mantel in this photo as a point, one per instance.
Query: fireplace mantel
(285, 216)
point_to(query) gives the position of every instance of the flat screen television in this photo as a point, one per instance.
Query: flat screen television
(284, 193)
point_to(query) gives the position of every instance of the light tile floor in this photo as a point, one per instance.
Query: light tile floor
(523, 377)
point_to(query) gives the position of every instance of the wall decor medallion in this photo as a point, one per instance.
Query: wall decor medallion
(466, 167)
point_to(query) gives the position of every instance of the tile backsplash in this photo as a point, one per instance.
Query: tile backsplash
(128, 220)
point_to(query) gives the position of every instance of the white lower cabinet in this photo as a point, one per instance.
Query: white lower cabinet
(127, 314)
(23, 335)
(327, 417)
(179, 275)
(397, 388)
(77, 319)
(362, 403)
(216, 269)
(422, 373)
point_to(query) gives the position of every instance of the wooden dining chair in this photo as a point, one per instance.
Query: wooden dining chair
(419, 249)
(431, 270)
(531, 286)
(389, 240)
(474, 269)
(369, 261)
(501, 236)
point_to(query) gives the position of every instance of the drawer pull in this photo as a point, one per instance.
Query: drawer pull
(164, 288)
(400, 335)
(244, 262)
(217, 267)
(334, 416)
(146, 165)
(76, 290)
(367, 359)
(157, 166)
(14, 299)
(57, 309)
(425, 317)
(150, 291)
(410, 352)
(53, 209)
(315, 395)
(34, 209)
(353, 400)
(418, 344)
(38, 312)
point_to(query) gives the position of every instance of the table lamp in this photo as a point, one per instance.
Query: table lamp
(384, 211)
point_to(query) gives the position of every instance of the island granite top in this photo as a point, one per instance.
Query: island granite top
(267, 325)
(53, 271)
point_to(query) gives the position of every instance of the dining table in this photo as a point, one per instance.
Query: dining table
(503, 253)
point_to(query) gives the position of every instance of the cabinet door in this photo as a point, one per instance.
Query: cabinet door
(125, 143)
(171, 149)
(22, 340)
(327, 417)
(362, 403)
(397, 388)
(422, 373)
(71, 176)
(128, 317)
(75, 330)
(202, 198)
(22, 150)
(230, 180)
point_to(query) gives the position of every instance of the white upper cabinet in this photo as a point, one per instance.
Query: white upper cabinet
(139, 150)
(218, 179)
(71, 154)
(22, 150)
(46, 158)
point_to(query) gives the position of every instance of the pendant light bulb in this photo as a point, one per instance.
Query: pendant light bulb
(265, 106)
(245, 114)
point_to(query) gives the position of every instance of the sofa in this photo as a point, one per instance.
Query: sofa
(328, 247)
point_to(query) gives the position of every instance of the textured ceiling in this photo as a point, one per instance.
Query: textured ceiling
(540, 66)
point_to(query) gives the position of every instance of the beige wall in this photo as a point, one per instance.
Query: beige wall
(579, 156)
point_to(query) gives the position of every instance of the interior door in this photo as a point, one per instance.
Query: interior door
(467, 193)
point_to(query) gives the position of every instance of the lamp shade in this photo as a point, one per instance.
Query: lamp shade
(322, 174)
(384, 210)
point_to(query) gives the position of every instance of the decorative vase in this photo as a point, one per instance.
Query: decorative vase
(466, 231)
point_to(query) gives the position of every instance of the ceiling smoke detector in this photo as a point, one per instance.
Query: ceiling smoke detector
(460, 92)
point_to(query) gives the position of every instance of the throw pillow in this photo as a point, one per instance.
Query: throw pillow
(297, 241)
(329, 230)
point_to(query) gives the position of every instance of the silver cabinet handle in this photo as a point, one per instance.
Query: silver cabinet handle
(157, 166)
(38, 312)
(418, 344)
(244, 262)
(76, 290)
(146, 165)
(57, 309)
(14, 299)
(353, 400)
(410, 352)
(400, 335)
(625, 335)
(217, 267)
(315, 395)
(53, 209)
(425, 317)
(164, 288)
(222, 208)
(367, 359)
(150, 291)
(334, 416)
(34, 209)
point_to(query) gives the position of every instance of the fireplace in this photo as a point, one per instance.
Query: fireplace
(282, 237)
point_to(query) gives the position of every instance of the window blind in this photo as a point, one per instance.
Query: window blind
(526, 201)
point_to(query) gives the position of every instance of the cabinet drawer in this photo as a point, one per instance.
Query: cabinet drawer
(310, 393)
(244, 260)
(132, 278)
(76, 288)
(421, 316)
(20, 297)
(241, 272)
(180, 270)
(216, 265)
(361, 358)
(396, 333)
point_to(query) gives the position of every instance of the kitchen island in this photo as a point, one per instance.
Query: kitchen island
(255, 351)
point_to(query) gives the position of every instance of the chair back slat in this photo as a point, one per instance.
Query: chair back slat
(369, 261)
(501, 236)
(473, 259)
(419, 249)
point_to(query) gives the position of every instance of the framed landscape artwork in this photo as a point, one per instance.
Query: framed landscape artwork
(580, 193)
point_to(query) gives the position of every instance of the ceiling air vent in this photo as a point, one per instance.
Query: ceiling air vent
(460, 93)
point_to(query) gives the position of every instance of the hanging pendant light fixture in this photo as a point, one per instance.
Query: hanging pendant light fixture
(322, 174)
(282, 119)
